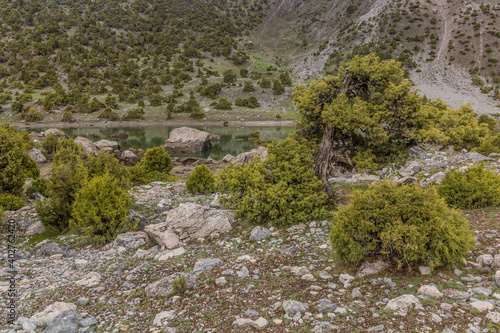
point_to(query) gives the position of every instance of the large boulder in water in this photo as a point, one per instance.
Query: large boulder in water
(189, 140)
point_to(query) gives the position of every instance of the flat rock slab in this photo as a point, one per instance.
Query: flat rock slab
(51, 312)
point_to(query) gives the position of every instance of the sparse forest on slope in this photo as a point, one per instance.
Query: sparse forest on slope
(450, 48)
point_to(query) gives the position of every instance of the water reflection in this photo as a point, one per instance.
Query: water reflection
(236, 139)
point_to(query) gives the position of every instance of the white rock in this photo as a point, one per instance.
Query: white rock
(221, 281)
(485, 260)
(292, 307)
(50, 312)
(482, 306)
(167, 255)
(494, 317)
(372, 268)
(402, 303)
(90, 280)
(308, 277)
(162, 318)
(260, 323)
(424, 270)
(429, 290)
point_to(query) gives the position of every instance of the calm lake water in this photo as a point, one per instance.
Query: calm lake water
(236, 139)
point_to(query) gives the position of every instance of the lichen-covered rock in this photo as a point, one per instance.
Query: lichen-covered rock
(88, 146)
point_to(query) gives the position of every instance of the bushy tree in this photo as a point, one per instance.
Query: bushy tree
(223, 104)
(10, 201)
(282, 189)
(472, 188)
(40, 186)
(14, 160)
(155, 165)
(407, 223)
(68, 176)
(30, 115)
(108, 114)
(51, 143)
(105, 162)
(201, 180)
(100, 209)
(134, 114)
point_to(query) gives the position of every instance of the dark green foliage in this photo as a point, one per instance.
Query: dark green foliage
(407, 223)
(40, 186)
(201, 180)
(100, 209)
(492, 124)
(229, 76)
(110, 102)
(189, 106)
(30, 115)
(250, 102)
(51, 143)
(197, 114)
(265, 83)
(10, 201)
(14, 160)
(282, 189)
(223, 104)
(134, 114)
(105, 162)
(155, 165)
(248, 87)
(68, 176)
(473, 188)
(155, 100)
(30, 169)
(179, 285)
(278, 88)
(285, 79)
(108, 114)
(67, 117)
(211, 91)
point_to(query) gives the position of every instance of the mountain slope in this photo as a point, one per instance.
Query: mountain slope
(444, 44)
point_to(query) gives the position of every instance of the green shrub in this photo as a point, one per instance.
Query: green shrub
(223, 104)
(179, 285)
(155, 165)
(30, 115)
(50, 143)
(40, 186)
(157, 159)
(197, 115)
(14, 160)
(68, 176)
(282, 189)
(100, 209)
(105, 162)
(250, 102)
(10, 201)
(473, 188)
(201, 180)
(31, 170)
(109, 114)
(134, 114)
(406, 223)
(67, 117)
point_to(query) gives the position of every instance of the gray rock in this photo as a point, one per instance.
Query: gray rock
(246, 158)
(429, 290)
(493, 317)
(496, 262)
(346, 279)
(424, 270)
(410, 169)
(485, 260)
(111, 145)
(129, 158)
(82, 301)
(65, 322)
(292, 307)
(251, 313)
(456, 294)
(207, 264)
(130, 240)
(402, 303)
(482, 306)
(51, 312)
(37, 156)
(187, 140)
(290, 249)
(324, 326)
(164, 286)
(372, 268)
(90, 280)
(190, 221)
(437, 177)
(259, 233)
(243, 273)
(88, 146)
(50, 249)
(481, 290)
(260, 323)
(477, 157)
(325, 305)
(35, 229)
(162, 318)
(497, 278)
(377, 328)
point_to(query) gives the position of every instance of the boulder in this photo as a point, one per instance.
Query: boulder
(113, 145)
(37, 156)
(190, 221)
(429, 290)
(259, 233)
(64, 322)
(50, 249)
(131, 240)
(88, 146)
(56, 132)
(369, 268)
(246, 158)
(129, 158)
(482, 306)
(292, 307)
(164, 286)
(34, 229)
(187, 140)
(51, 312)
(410, 169)
(402, 303)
